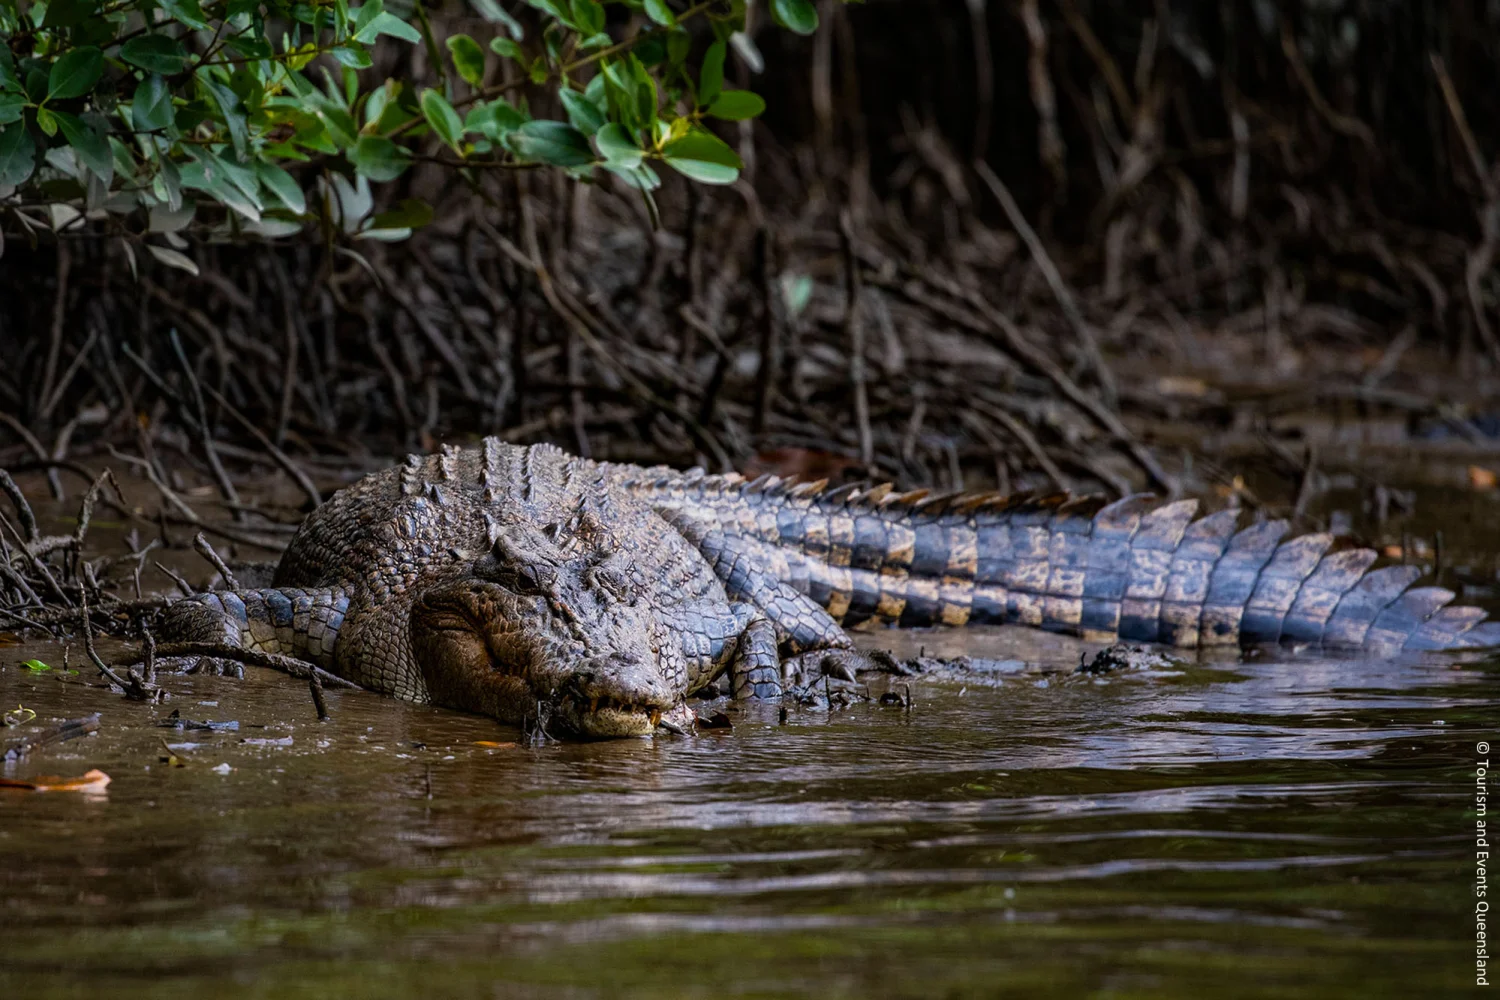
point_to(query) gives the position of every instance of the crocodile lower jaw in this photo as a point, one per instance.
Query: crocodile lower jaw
(606, 718)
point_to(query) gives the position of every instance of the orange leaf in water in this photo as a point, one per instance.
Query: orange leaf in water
(1392, 552)
(1481, 478)
(92, 783)
(491, 744)
(1182, 386)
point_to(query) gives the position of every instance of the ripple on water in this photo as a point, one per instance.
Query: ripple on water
(1287, 822)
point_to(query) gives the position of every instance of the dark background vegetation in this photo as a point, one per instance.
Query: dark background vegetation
(1219, 212)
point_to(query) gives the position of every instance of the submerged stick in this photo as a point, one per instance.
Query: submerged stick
(315, 685)
(256, 658)
(60, 733)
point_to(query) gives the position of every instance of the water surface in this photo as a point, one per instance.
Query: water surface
(1285, 823)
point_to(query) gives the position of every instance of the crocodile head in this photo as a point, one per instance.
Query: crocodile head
(549, 629)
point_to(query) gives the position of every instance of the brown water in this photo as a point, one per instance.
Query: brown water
(1299, 825)
(1288, 823)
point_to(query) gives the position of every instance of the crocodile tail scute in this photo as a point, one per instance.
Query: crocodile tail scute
(1137, 568)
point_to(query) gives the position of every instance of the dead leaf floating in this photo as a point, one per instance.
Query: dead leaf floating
(92, 783)
(1481, 478)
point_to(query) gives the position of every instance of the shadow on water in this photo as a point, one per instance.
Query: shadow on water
(1282, 822)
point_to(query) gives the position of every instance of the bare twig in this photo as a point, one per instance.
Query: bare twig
(854, 336)
(207, 552)
(255, 658)
(1065, 299)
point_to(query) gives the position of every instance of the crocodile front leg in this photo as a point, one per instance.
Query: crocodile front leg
(808, 643)
(286, 620)
(738, 640)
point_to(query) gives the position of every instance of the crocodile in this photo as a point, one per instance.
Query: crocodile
(536, 587)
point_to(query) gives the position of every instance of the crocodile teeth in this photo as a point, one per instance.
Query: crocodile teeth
(655, 716)
(593, 705)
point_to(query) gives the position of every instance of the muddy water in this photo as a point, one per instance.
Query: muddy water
(1292, 823)
(1284, 823)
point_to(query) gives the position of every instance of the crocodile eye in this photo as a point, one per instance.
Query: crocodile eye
(536, 579)
(526, 578)
(611, 582)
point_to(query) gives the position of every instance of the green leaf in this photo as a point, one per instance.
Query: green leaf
(799, 16)
(67, 13)
(640, 176)
(365, 16)
(659, 12)
(651, 50)
(748, 53)
(124, 162)
(75, 73)
(17, 154)
(155, 53)
(496, 14)
(443, 119)
(8, 78)
(494, 119)
(588, 16)
(703, 156)
(46, 122)
(229, 107)
(10, 107)
(283, 185)
(582, 112)
(378, 158)
(711, 76)
(35, 666)
(89, 144)
(556, 143)
(173, 258)
(619, 88)
(151, 108)
(617, 147)
(468, 58)
(210, 174)
(186, 11)
(796, 291)
(645, 91)
(335, 118)
(36, 83)
(354, 55)
(737, 105)
(679, 41)
(387, 23)
(561, 10)
(410, 214)
(508, 49)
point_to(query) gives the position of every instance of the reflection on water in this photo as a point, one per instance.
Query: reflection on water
(1288, 822)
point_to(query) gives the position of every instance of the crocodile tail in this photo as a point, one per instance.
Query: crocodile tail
(1136, 568)
(286, 620)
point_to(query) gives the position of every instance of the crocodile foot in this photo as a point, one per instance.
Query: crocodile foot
(214, 666)
(829, 678)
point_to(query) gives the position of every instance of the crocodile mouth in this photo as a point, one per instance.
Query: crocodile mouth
(604, 717)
